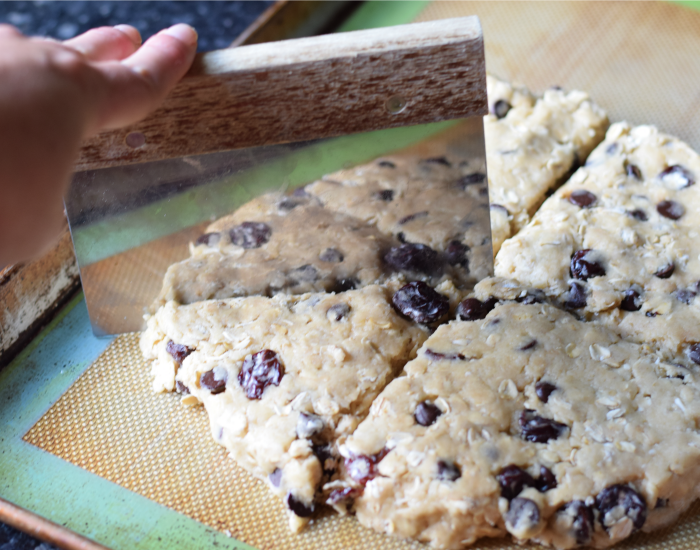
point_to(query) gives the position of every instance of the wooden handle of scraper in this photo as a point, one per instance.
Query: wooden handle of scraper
(309, 88)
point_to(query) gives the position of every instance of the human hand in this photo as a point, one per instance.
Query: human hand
(55, 94)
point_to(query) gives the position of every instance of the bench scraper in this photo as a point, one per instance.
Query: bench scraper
(268, 117)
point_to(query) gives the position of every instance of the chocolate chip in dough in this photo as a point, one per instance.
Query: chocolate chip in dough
(338, 312)
(426, 413)
(512, 480)
(670, 209)
(386, 195)
(522, 515)
(208, 239)
(677, 177)
(414, 257)
(309, 425)
(638, 214)
(582, 198)
(577, 296)
(177, 351)
(471, 309)
(386, 164)
(438, 160)
(250, 234)
(420, 302)
(436, 356)
(583, 267)
(631, 301)
(530, 345)
(344, 284)
(213, 381)
(181, 388)
(298, 507)
(619, 502)
(472, 179)
(456, 254)
(580, 519)
(543, 390)
(694, 353)
(546, 481)
(412, 217)
(501, 108)
(448, 471)
(259, 371)
(666, 271)
(537, 429)
(331, 255)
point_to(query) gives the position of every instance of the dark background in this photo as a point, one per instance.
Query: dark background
(218, 24)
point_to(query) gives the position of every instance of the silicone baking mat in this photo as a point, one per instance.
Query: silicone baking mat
(88, 403)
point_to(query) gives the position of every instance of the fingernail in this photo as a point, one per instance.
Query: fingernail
(183, 32)
(131, 32)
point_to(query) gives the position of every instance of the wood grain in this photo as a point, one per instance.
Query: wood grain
(310, 88)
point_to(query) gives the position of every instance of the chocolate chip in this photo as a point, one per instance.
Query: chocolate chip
(665, 272)
(338, 312)
(543, 390)
(529, 345)
(670, 209)
(420, 302)
(546, 481)
(345, 284)
(331, 255)
(677, 177)
(513, 479)
(633, 171)
(438, 160)
(694, 353)
(414, 257)
(582, 198)
(661, 503)
(686, 295)
(401, 237)
(386, 164)
(580, 518)
(638, 214)
(501, 108)
(436, 356)
(412, 217)
(309, 425)
(304, 274)
(631, 301)
(298, 507)
(426, 413)
(537, 429)
(456, 254)
(288, 203)
(250, 234)
(532, 296)
(259, 371)
(363, 468)
(583, 268)
(472, 309)
(209, 239)
(177, 351)
(324, 454)
(215, 384)
(300, 192)
(522, 515)
(577, 296)
(181, 388)
(275, 477)
(651, 314)
(448, 471)
(471, 179)
(621, 501)
(341, 495)
(386, 195)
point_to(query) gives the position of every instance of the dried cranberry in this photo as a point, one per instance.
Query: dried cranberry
(546, 481)
(436, 356)
(342, 495)
(666, 271)
(210, 381)
(670, 209)
(298, 507)
(522, 515)
(543, 390)
(181, 388)
(513, 479)
(471, 179)
(386, 195)
(448, 471)
(345, 284)
(456, 254)
(438, 160)
(338, 312)
(259, 371)
(275, 477)
(686, 295)
(414, 257)
(501, 108)
(472, 309)
(363, 468)
(178, 351)
(582, 198)
(621, 499)
(537, 429)
(533, 296)
(530, 345)
(420, 302)
(581, 518)
(677, 176)
(638, 214)
(251, 234)
(694, 353)
(209, 239)
(386, 164)
(426, 413)
(304, 274)
(633, 171)
(577, 296)
(331, 255)
(631, 300)
(412, 217)
(583, 268)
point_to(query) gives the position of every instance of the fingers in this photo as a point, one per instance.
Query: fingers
(107, 43)
(139, 83)
(8, 31)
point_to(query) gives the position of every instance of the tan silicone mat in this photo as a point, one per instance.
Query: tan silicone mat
(112, 424)
(638, 60)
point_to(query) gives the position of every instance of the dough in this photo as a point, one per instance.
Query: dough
(529, 422)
